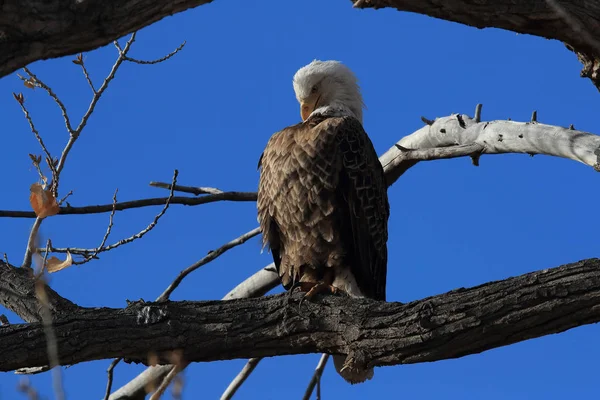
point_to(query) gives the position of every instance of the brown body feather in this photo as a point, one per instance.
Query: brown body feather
(323, 207)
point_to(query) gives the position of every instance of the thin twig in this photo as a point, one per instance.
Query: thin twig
(316, 378)
(205, 260)
(110, 372)
(101, 249)
(188, 189)
(79, 61)
(38, 137)
(74, 134)
(159, 60)
(38, 82)
(157, 201)
(106, 235)
(240, 378)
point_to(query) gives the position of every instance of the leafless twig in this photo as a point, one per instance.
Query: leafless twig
(38, 82)
(93, 253)
(110, 372)
(316, 378)
(74, 134)
(205, 260)
(80, 61)
(189, 189)
(240, 378)
(106, 235)
(159, 60)
(20, 99)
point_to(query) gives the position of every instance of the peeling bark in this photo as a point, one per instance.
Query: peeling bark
(450, 325)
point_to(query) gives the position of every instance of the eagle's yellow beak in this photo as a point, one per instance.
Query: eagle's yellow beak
(305, 110)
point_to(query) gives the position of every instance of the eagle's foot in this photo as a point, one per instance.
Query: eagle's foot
(312, 289)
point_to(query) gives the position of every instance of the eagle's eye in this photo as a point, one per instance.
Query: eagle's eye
(314, 89)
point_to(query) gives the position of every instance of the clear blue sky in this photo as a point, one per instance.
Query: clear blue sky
(211, 109)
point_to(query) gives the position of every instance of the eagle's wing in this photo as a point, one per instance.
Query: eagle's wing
(362, 193)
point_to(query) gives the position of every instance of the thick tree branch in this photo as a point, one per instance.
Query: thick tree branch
(450, 325)
(539, 18)
(37, 30)
(17, 293)
(256, 285)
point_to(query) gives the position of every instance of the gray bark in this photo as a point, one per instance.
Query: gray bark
(450, 325)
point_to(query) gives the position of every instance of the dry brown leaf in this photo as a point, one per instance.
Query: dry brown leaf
(53, 264)
(43, 201)
(29, 84)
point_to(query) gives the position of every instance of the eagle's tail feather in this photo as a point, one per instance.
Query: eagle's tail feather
(350, 372)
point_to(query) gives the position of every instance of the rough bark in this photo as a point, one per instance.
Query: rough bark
(17, 293)
(574, 22)
(450, 325)
(32, 30)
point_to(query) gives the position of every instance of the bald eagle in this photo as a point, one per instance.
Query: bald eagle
(322, 198)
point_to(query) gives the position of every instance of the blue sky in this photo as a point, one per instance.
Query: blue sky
(209, 112)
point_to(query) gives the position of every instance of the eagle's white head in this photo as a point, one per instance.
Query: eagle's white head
(327, 87)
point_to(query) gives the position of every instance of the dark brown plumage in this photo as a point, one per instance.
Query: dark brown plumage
(323, 206)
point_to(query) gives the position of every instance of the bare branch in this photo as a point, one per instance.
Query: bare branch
(100, 248)
(37, 136)
(126, 205)
(213, 254)
(519, 16)
(316, 378)
(110, 372)
(38, 82)
(191, 189)
(237, 382)
(159, 60)
(31, 243)
(80, 61)
(454, 324)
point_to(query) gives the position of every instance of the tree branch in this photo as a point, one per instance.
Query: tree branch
(256, 285)
(17, 293)
(454, 324)
(537, 18)
(72, 27)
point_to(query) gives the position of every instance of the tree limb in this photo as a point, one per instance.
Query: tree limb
(539, 18)
(450, 325)
(17, 293)
(37, 30)
(256, 285)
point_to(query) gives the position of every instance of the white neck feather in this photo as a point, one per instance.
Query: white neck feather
(337, 109)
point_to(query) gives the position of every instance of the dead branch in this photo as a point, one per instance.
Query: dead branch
(450, 325)
(237, 382)
(212, 255)
(316, 378)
